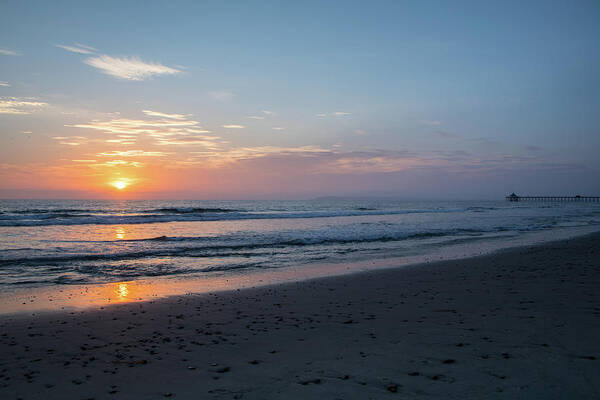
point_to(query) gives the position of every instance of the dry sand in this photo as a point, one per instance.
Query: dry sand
(520, 324)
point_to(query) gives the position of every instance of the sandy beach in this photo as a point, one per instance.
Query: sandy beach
(523, 323)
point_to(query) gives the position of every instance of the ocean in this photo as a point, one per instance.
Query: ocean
(81, 242)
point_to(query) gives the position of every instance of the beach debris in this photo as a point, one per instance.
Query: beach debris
(315, 381)
(393, 388)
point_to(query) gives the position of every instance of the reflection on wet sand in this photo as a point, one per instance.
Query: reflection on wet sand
(102, 295)
(119, 233)
(122, 291)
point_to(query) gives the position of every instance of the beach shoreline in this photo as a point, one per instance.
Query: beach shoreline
(17, 299)
(519, 323)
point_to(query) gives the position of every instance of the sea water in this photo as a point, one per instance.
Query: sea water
(83, 242)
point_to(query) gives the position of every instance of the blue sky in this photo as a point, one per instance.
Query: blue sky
(419, 99)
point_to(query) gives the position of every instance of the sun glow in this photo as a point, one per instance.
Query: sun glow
(120, 184)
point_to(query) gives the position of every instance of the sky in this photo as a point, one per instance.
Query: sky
(292, 100)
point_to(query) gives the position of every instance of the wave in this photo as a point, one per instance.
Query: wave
(481, 209)
(190, 215)
(189, 210)
(205, 247)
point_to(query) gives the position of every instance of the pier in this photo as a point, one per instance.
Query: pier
(514, 197)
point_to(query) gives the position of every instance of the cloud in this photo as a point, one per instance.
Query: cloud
(234, 126)
(70, 140)
(255, 117)
(164, 115)
(133, 153)
(533, 148)
(139, 126)
(334, 114)
(373, 162)
(267, 112)
(277, 128)
(125, 142)
(6, 84)
(208, 142)
(432, 123)
(19, 106)
(131, 68)
(78, 48)
(7, 52)
(83, 46)
(247, 153)
(118, 163)
(164, 128)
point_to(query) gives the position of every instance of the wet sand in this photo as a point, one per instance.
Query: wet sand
(523, 323)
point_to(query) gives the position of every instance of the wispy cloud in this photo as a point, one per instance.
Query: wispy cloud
(375, 161)
(3, 83)
(138, 126)
(334, 114)
(133, 153)
(130, 68)
(151, 113)
(432, 122)
(83, 46)
(166, 129)
(78, 48)
(70, 140)
(125, 141)
(18, 105)
(7, 52)
(277, 128)
(256, 117)
(248, 153)
(234, 126)
(208, 142)
(119, 163)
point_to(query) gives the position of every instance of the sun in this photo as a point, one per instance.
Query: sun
(120, 184)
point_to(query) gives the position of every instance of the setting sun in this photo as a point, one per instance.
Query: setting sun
(120, 184)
